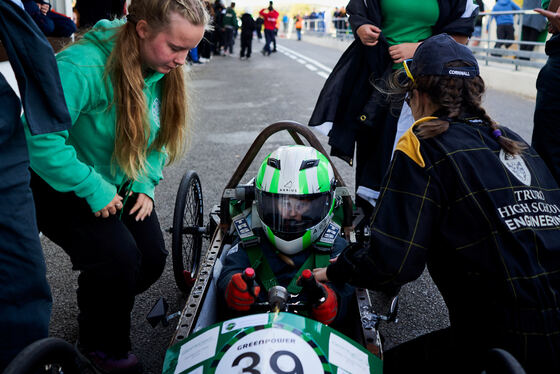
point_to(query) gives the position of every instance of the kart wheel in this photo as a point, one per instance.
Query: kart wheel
(49, 355)
(188, 228)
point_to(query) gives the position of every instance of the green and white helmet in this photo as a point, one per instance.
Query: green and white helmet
(295, 197)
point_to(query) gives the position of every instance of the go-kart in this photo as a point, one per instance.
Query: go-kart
(276, 340)
(280, 340)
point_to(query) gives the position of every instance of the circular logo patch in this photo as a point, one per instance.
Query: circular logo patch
(272, 350)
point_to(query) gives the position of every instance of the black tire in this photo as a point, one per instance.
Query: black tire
(499, 361)
(186, 241)
(49, 355)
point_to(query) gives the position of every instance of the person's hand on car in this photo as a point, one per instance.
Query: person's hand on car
(238, 295)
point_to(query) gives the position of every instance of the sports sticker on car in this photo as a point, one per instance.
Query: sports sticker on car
(272, 350)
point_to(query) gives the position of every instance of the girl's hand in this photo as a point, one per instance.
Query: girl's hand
(320, 274)
(553, 19)
(144, 205)
(44, 8)
(403, 51)
(368, 34)
(111, 208)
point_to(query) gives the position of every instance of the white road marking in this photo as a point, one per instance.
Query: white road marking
(313, 65)
(314, 62)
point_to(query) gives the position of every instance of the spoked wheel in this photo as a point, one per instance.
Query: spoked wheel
(188, 229)
(49, 355)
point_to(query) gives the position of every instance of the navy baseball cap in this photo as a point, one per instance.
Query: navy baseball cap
(432, 56)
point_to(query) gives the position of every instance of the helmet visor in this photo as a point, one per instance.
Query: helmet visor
(289, 216)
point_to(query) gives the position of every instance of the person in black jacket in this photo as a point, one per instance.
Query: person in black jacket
(258, 26)
(350, 111)
(25, 298)
(247, 28)
(479, 207)
(50, 22)
(91, 11)
(546, 130)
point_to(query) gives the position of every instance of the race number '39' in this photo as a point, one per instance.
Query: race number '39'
(272, 350)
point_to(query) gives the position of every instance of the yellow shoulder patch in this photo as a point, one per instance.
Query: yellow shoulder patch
(410, 145)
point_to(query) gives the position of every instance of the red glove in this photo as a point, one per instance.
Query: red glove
(326, 311)
(238, 296)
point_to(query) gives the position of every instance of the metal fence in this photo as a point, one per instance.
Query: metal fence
(483, 46)
(486, 49)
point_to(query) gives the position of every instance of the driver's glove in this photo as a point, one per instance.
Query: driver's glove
(238, 296)
(326, 311)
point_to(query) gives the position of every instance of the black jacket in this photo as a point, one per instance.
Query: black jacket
(25, 299)
(488, 229)
(348, 98)
(91, 11)
(247, 25)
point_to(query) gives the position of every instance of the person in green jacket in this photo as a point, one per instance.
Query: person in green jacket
(230, 25)
(94, 184)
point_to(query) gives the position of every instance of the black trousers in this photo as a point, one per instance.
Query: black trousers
(205, 46)
(529, 34)
(246, 41)
(546, 130)
(229, 40)
(116, 259)
(504, 32)
(269, 38)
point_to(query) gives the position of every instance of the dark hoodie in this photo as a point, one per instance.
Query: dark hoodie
(247, 25)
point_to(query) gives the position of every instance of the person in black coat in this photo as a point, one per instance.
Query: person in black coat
(258, 26)
(50, 22)
(351, 111)
(25, 298)
(91, 11)
(546, 130)
(247, 27)
(472, 202)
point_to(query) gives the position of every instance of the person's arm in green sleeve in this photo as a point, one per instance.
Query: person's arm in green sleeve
(56, 161)
(147, 183)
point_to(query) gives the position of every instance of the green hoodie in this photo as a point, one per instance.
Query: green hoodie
(81, 159)
(230, 18)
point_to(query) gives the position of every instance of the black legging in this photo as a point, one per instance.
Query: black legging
(117, 260)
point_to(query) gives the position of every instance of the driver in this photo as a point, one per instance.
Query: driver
(290, 229)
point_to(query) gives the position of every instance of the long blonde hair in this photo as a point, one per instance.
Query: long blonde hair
(124, 68)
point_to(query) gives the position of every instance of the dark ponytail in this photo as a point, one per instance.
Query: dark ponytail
(457, 98)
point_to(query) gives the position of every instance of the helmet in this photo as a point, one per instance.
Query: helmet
(295, 197)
